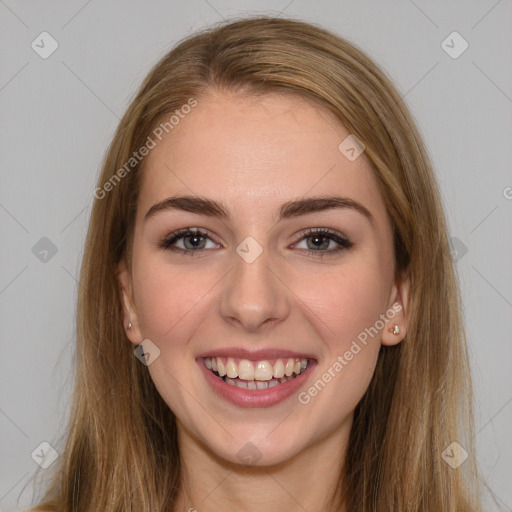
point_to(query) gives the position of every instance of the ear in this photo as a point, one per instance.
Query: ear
(397, 312)
(130, 314)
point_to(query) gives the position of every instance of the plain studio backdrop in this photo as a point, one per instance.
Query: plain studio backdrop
(69, 70)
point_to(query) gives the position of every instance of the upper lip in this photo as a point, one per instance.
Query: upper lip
(255, 355)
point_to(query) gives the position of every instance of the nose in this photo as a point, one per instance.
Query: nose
(255, 295)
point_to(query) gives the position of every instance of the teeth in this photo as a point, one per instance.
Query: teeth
(260, 375)
(231, 370)
(246, 370)
(263, 371)
(279, 369)
(256, 384)
(221, 370)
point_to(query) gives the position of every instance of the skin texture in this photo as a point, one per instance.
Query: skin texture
(253, 154)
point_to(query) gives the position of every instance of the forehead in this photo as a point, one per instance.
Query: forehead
(255, 153)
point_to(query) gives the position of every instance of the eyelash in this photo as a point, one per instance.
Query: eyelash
(166, 242)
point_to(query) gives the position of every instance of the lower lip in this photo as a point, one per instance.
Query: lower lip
(255, 397)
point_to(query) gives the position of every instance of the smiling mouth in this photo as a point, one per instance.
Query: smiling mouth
(246, 374)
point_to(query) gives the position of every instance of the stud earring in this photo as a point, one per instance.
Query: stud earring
(129, 326)
(395, 329)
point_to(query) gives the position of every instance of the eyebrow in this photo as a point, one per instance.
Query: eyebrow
(296, 208)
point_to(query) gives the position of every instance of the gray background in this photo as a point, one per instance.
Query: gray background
(59, 114)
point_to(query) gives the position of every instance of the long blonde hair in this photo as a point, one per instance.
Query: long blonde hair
(121, 450)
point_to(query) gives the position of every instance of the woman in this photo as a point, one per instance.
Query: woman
(268, 315)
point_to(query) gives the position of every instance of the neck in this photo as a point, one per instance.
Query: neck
(304, 482)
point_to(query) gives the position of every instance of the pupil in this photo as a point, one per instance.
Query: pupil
(196, 239)
(317, 238)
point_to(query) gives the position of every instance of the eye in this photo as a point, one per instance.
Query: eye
(321, 239)
(192, 240)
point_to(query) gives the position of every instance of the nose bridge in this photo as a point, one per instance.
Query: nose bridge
(253, 294)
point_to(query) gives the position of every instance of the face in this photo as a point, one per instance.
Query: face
(281, 281)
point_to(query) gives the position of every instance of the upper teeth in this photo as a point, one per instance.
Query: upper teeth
(261, 370)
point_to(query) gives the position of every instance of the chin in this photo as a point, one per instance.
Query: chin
(257, 449)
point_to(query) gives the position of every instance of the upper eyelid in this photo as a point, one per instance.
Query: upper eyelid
(182, 233)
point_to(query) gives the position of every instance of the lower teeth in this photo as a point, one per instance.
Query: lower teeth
(255, 384)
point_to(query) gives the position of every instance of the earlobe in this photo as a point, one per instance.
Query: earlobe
(130, 324)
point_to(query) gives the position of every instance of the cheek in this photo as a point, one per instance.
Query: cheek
(347, 300)
(345, 308)
(165, 296)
